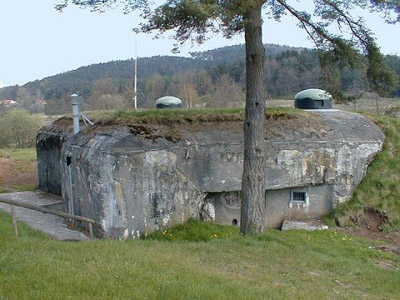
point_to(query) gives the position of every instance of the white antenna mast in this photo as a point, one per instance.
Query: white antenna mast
(135, 80)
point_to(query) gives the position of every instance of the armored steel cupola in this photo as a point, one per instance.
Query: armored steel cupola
(168, 102)
(313, 99)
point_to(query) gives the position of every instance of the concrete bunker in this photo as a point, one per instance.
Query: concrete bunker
(134, 178)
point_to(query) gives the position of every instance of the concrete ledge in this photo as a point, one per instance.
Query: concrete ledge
(289, 225)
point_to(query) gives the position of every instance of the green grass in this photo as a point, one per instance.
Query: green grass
(6, 232)
(17, 188)
(195, 231)
(289, 265)
(380, 188)
(23, 155)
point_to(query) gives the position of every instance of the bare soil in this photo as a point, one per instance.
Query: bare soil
(390, 242)
(16, 174)
(371, 224)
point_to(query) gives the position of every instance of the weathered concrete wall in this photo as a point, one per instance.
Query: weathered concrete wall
(278, 205)
(133, 191)
(132, 185)
(49, 146)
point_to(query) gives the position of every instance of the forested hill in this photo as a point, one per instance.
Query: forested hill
(82, 78)
(207, 79)
(237, 52)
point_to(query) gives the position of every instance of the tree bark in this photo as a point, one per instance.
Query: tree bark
(253, 179)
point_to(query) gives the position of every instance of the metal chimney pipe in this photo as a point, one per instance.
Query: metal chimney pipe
(75, 112)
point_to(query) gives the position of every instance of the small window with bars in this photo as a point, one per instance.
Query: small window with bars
(298, 197)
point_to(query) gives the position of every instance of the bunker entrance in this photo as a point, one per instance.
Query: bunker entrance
(227, 207)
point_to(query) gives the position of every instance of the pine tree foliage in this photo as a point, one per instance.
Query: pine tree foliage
(329, 24)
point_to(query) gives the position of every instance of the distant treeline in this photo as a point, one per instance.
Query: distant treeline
(208, 79)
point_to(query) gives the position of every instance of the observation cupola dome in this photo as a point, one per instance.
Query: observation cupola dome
(313, 99)
(168, 102)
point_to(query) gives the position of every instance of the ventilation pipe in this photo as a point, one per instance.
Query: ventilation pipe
(75, 112)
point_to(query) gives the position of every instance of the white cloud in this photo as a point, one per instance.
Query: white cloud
(1, 84)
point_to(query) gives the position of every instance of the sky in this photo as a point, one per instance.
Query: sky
(37, 41)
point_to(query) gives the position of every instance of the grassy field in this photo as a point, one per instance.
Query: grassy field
(17, 170)
(289, 265)
(382, 106)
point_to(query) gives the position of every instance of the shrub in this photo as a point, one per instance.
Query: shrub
(18, 129)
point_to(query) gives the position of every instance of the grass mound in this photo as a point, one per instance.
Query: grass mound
(188, 116)
(379, 191)
(195, 230)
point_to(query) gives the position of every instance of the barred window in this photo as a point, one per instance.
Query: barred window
(297, 196)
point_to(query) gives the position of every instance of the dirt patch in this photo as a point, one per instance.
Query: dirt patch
(392, 246)
(303, 127)
(370, 219)
(386, 265)
(144, 131)
(290, 128)
(177, 118)
(5, 169)
(63, 125)
(279, 125)
(370, 223)
(16, 174)
(390, 241)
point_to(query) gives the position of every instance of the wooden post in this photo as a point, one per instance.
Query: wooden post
(46, 211)
(91, 230)
(14, 221)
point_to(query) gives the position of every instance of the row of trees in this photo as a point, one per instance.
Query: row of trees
(222, 85)
(212, 78)
(196, 89)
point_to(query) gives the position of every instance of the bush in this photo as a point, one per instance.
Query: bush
(18, 129)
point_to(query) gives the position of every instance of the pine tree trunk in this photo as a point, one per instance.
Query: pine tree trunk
(253, 180)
